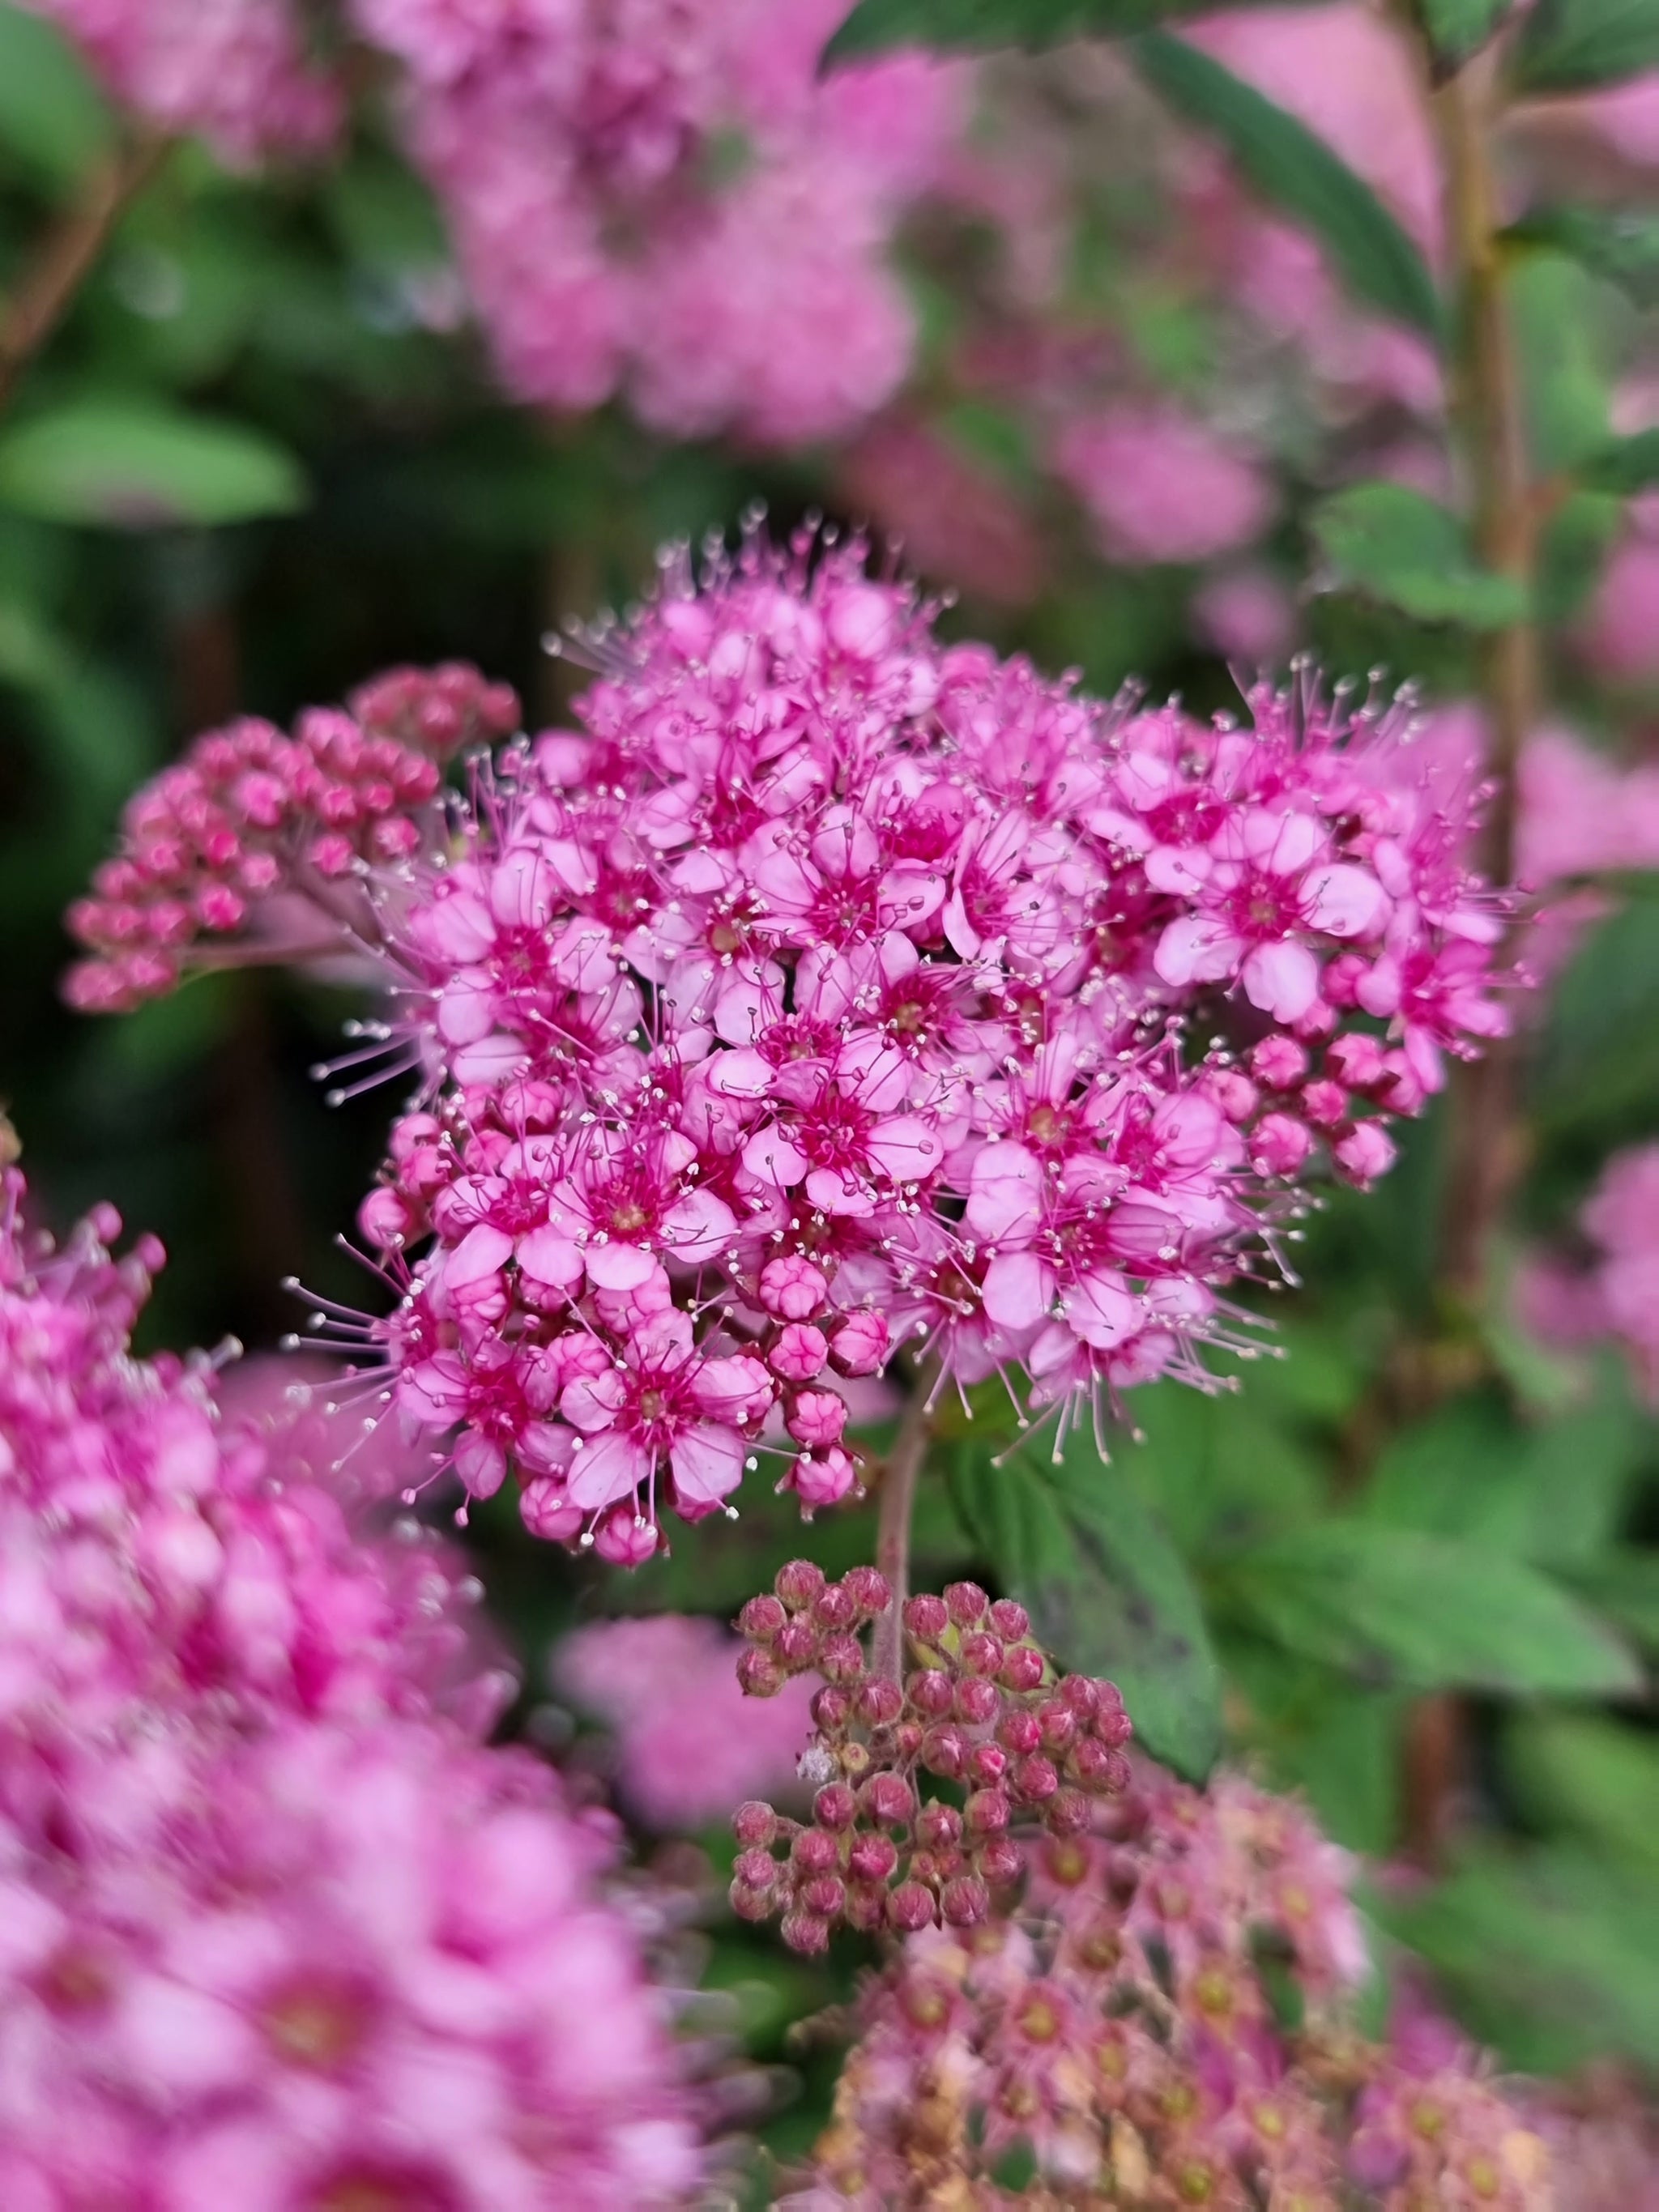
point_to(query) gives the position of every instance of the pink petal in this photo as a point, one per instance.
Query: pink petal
(1101, 1310)
(1180, 869)
(609, 1467)
(1196, 950)
(735, 1389)
(1004, 1194)
(1347, 902)
(707, 1462)
(618, 1267)
(1018, 1289)
(1283, 980)
(480, 1465)
(696, 1226)
(907, 1148)
(482, 1251)
(548, 1256)
(773, 1157)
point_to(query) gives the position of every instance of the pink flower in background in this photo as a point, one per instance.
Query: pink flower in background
(1161, 485)
(690, 1745)
(1580, 813)
(235, 72)
(334, 1965)
(1620, 634)
(1246, 614)
(948, 516)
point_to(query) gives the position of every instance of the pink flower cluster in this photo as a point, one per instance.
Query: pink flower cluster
(690, 1745)
(277, 1929)
(1161, 485)
(661, 195)
(235, 72)
(1119, 2029)
(982, 1708)
(251, 819)
(832, 988)
(334, 1965)
(1617, 1293)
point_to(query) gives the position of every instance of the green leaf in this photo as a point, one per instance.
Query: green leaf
(133, 463)
(1558, 311)
(1106, 1589)
(1577, 539)
(1288, 165)
(1599, 1065)
(1394, 1607)
(1457, 29)
(1569, 45)
(1621, 244)
(876, 26)
(1590, 1777)
(1624, 1585)
(1552, 1957)
(1625, 465)
(1401, 547)
(52, 116)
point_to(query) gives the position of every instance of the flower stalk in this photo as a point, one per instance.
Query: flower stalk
(68, 256)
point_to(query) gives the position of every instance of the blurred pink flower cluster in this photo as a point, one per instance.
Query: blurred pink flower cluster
(278, 1929)
(1612, 1288)
(235, 72)
(1119, 2029)
(689, 1744)
(831, 988)
(661, 196)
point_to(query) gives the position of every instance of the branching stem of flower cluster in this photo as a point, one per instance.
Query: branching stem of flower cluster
(67, 257)
(897, 1503)
(1485, 1140)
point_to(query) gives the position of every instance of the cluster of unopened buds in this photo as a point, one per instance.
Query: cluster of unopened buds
(982, 1711)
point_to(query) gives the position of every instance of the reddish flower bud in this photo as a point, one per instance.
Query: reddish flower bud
(907, 1739)
(761, 1619)
(988, 1811)
(966, 1603)
(759, 1676)
(873, 1858)
(869, 1590)
(806, 1933)
(797, 1644)
(999, 1861)
(756, 1870)
(887, 1800)
(798, 1584)
(926, 1618)
(1011, 1621)
(840, 1658)
(825, 1894)
(1066, 1813)
(1023, 1669)
(815, 1851)
(977, 1702)
(1034, 1780)
(945, 1751)
(1019, 1733)
(981, 1654)
(987, 1764)
(755, 1824)
(938, 1827)
(965, 1902)
(880, 1702)
(830, 1709)
(836, 1607)
(1059, 1724)
(751, 1904)
(1082, 1695)
(910, 1907)
(866, 1909)
(1099, 1768)
(835, 1808)
(931, 1693)
(1111, 1725)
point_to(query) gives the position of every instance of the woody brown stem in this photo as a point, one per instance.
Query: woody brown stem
(66, 258)
(1485, 1147)
(897, 1504)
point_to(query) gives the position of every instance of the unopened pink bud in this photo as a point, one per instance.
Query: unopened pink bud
(926, 1618)
(793, 1289)
(910, 1908)
(966, 1603)
(965, 1902)
(861, 1344)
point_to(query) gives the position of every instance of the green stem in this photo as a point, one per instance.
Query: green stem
(897, 1500)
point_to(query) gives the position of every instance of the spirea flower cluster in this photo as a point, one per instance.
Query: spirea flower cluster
(829, 989)
(1610, 1286)
(982, 1708)
(1124, 2031)
(278, 1929)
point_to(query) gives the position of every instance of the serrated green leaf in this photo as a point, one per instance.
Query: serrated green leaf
(53, 119)
(1625, 465)
(135, 464)
(1400, 546)
(1294, 169)
(1393, 1606)
(1106, 1589)
(1621, 244)
(1569, 45)
(1457, 29)
(876, 26)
